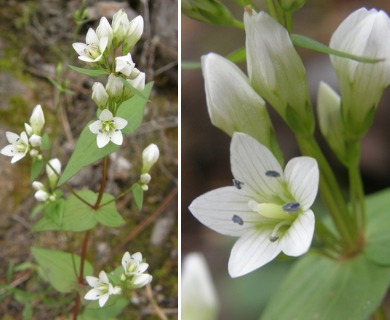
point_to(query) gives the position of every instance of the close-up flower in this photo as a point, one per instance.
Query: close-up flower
(99, 95)
(53, 171)
(37, 120)
(102, 288)
(120, 26)
(114, 87)
(108, 128)
(150, 156)
(124, 64)
(134, 269)
(93, 48)
(362, 33)
(18, 146)
(268, 209)
(134, 33)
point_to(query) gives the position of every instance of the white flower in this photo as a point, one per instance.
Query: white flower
(138, 81)
(362, 33)
(199, 298)
(35, 140)
(233, 105)
(150, 156)
(124, 64)
(274, 67)
(99, 95)
(41, 195)
(108, 128)
(134, 270)
(268, 209)
(93, 49)
(37, 121)
(18, 146)
(53, 175)
(104, 30)
(134, 33)
(102, 288)
(114, 86)
(120, 25)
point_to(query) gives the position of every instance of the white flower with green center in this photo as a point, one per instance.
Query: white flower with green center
(124, 64)
(93, 49)
(134, 270)
(102, 288)
(108, 128)
(268, 209)
(18, 146)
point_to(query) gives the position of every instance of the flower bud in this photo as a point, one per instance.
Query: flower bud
(41, 195)
(99, 95)
(53, 171)
(37, 120)
(145, 178)
(28, 129)
(104, 30)
(138, 82)
(114, 87)
(149, 157)
(35, 140)
(124, 65)
(362, 33)
(120, 25)
(276, 71)
(134, 33)
(329, 116)
(291, 5)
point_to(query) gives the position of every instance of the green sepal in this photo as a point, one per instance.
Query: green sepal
(37, 166)
(138, 195)
(59, 268)
(54, 211)
(308, 43)
(88, 72)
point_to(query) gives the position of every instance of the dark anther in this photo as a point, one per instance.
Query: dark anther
(291, 207)
(237, 184)
(273, 174)
(238, 220)
(273, 238)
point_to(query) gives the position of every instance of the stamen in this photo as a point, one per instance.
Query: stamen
(273, 237)
(237, 219)
(272, 173)
(291, 207)
(238, 184)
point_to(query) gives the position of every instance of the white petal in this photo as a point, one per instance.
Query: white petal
(106, 115)
(103, 299)
(142, 279)
(302, 176)
(92, 294)
(251, 251)
(298, 237)
(79, 48)
(37, 119)
(117, 137)
(92, 281)
(250, 161)
(222, 209)
(119, 123)
(126, 258)
(233, 105)
(95, 126)
(86, 59)
(103, 277)
(11, 137)
(17, 157)
(8, 150)
(104, 29)
(103, 43)
(137, 256)
(91, 37)
(143, 267)
(102, 140)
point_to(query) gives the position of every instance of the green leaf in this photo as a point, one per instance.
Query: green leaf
(36, 168)
(378, 221)
(78, 216)
(308, 43)
(108, 215)
(59, 267)
(138, 195)
(320, 288)
(88, 72)
(133, 109)
(54, 211)
(45, 142)
(86, 150)
(238, 55)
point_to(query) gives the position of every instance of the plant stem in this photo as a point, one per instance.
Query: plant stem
(330, 191)
(103, 183)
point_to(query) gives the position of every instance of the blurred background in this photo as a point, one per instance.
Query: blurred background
(205, 149)
(36, 35)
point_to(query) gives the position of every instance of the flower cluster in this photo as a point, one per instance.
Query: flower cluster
(53, 172)
(132, 277)
(29, 140)
(122, 34)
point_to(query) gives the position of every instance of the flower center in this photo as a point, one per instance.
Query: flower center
(20, 146)
(92, 50)
(270, 210)
(108, 126)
